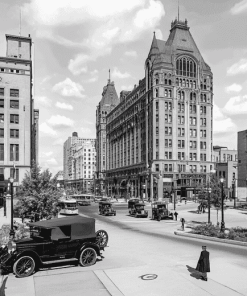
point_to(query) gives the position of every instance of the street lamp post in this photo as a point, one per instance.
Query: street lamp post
(233, 193)
(222, 206)
(11, 233)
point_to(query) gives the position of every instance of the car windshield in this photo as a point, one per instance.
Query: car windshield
(140, 207)
(40, 232)
(71, 205)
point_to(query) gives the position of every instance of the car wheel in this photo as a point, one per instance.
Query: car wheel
(88, 257)
(24, 267)
(101, 238)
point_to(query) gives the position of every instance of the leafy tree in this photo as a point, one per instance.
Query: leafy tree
(38, 194)
(215, 196)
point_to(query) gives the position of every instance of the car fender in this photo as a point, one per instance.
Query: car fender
(30, 253)
(89, 245)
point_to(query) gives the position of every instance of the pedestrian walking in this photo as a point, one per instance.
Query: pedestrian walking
(176, 215)
(198, 210)
(203, 265)
(182, 221)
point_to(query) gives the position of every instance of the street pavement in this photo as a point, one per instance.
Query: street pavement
(144, 257)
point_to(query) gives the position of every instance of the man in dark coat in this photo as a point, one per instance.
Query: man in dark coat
(203, 264)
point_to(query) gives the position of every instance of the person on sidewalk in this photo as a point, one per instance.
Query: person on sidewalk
(203, 264)
(183, 222)
(176, 215)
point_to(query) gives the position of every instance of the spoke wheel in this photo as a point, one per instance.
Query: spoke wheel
(101, 238)
(88, 257)
(24, 267)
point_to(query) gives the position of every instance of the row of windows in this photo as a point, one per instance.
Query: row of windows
(14, 173)
(14, 133)
(186, 83)
(181, 168)
(12, 92)
(14, 152)
(14, 118)
(14, 104)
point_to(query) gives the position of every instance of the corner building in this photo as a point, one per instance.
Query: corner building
(159, 137)
(18, 120)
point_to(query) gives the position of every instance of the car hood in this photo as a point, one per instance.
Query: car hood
(24, 241)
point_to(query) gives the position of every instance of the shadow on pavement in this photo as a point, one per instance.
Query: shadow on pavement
(193, 272)
(3, 287)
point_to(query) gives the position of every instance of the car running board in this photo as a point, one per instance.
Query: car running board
(60, 260)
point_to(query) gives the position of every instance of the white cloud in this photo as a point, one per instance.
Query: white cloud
(239, 7)
(236, 105)
(52, 161)
(234, 88)
(85, 131)
(94, 77)
(69, 88)
(46, 129)
(128, 87)
(60, 121)
(222, 123)
(117, 74)
(58, 142)
(238, 68)
(42, 101)
(77, 65)
(131, 53)
(64, 106)
(99, 24)
(47, 153)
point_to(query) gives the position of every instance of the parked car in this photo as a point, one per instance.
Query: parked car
(136, 208)
(160, 211)
(59, 240)
(105, 208)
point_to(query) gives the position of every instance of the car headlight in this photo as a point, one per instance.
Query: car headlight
(11, 246)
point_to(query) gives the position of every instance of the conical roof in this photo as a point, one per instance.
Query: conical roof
(109, 95)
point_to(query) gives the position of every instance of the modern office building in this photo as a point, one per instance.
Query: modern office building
(18, 122)
(108, 102)
(160, 134)
(79, 160)
(242, 165)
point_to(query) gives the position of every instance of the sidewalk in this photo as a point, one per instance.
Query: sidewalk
(135, 281)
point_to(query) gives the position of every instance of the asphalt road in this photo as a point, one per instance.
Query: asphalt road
(138, 247)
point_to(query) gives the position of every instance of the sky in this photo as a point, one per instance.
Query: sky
(76, 42)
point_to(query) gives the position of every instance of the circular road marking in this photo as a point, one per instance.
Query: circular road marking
(149, 277)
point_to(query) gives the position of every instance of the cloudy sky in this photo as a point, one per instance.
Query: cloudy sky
(77, 41)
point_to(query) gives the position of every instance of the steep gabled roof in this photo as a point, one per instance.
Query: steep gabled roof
(109, 95)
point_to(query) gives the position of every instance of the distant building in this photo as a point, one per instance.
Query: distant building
(160, 134)
(242, 165)
(108, 102)
(226, 167)
(18, 122)
(79, 160)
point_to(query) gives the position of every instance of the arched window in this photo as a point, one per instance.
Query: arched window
(170, 93)
(156, 78)
(201, 97)
(177, 81)
(194, 84)
(179, 95)
(191, 97)
(166, 94)
(182, 95)
(180, 82)
(187, 83)
(191, 84)
(165, 81)
(205, 98)
(183, 83)
(170, 82)
(156, 92)
(185, 66)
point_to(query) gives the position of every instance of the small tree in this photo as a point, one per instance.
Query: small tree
(38, 194)
(215, 196)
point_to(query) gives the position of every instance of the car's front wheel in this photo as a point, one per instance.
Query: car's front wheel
(24, 266)
(88, 257)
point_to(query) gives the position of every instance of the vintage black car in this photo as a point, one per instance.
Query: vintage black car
(160, 211)
(105, 208)
(55, 241)
(136, 208)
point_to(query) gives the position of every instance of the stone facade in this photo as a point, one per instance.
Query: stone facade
(160, 135)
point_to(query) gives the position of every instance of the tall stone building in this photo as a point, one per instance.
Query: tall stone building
(160, 135)
(108, 102)
(17, 119)
(242, 165)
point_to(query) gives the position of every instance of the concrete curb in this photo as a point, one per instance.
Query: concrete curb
(109, 285)
(214, 239)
